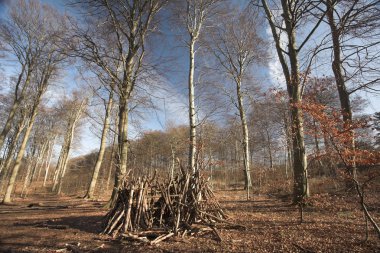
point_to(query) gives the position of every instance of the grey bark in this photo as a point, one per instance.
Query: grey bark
(19, 96)
(344, 97)
(292, 77)
(244, 126)
(192, 131)
(48, 161)
(128, 26)
(20, 155)
(269, 144)
(13, 145)
(99, 160)
(111, 163)
(76, 113)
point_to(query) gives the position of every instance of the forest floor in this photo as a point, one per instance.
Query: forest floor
(332, 223)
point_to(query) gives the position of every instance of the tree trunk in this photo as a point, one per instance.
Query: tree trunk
(37, 167)
(65, 158)
(28, 176)
(64, 155)
(122, 154)
(292, 77)
(20, 155)
(244, 126)
(301, 186)
(99, 160)
(50, 155)
(12, 147)
(58, 169)
(172, 164)
(316, 141)
(111, 163)
(15, 106)
(43, 155)
(192, 133)
(344, 97)
(269, 149)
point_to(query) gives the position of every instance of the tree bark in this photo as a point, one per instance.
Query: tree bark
(192, 133)
(111, 163)
(292, 77)
(20, 155)
(99, 160)
(12, 148)
(301, 186)
(244, 126)
(269, 149)
(50, 155)
(16, 104)
(64, 154)
(122, 154)
(344, 97)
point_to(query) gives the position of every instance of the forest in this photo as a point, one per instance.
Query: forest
(189, 126)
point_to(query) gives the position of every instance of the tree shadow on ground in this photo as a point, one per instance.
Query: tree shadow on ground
(89, 224)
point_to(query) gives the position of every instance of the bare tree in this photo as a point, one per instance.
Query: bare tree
(40, 146)
(99, 159)
(293, 16)
(126, 26)
(48, 64)
(197, 13)
(14, 138)
(348, 21)
(20, 154)
(236, 46)
(23, 40)
(74, 109)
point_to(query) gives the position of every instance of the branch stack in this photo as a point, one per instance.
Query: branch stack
(148, 208)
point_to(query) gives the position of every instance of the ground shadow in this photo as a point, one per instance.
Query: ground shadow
(89, 224)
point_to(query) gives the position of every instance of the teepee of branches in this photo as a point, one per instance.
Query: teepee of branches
(152, 209)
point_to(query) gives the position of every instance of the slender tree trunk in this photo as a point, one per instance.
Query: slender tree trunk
(13, 145)
(37, 167)
(192, 133)
(16, 104)
(286, 162)
(172, 165)
(64, 155)
(288, 139)
(63, 172)
(28, 176)
(344, 97)
(269, 149)
(316, 141)
(50, 155)
(58, 169)
(244, 126)
(111, 163)
(99, 160)
(41, 160)
(5, 150)
(20, 155)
